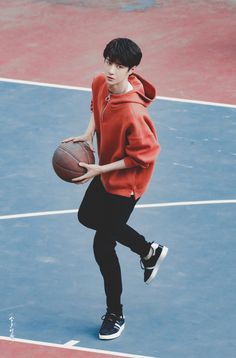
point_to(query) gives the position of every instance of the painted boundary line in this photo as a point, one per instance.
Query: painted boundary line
(85, 89)
(55, 345)
(139, 206)
(71, 343)
(43, 84)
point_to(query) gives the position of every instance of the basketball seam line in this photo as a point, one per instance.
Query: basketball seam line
(66, 169)
(68, 152)
(71, 154)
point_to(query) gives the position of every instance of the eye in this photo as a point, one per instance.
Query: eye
(120, 67)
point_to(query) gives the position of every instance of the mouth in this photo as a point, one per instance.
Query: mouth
(109, 78)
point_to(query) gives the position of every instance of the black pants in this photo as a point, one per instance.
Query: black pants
(108, 215)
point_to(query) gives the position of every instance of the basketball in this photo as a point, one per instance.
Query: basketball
(67, 157)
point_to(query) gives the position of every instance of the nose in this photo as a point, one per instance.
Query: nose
(112, 68)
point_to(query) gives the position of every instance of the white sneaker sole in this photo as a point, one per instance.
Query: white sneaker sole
(158, 264)
(113, 336)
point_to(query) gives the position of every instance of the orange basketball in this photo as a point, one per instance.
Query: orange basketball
(67, 157)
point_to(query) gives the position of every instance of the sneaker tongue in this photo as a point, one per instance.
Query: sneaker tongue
(111, 316)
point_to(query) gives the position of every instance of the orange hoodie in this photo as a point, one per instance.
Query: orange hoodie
(124, 130)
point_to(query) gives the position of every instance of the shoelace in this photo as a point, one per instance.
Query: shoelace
(110, 321)
(110, 317)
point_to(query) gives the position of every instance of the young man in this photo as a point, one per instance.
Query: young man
(127, 150)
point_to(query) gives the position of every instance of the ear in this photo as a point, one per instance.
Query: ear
(131, 70)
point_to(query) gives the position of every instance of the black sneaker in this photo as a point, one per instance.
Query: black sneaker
(112, 326)
(152, 265)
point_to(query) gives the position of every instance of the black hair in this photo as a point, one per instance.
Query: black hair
(123, 51)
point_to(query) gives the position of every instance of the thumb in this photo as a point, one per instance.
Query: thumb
(84, 165)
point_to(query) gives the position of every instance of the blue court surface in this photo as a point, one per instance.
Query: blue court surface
(50, 283)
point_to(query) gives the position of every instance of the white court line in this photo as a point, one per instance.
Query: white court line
(40, 213)
(187, 203)
(216, 104)
(55, 345)
(139, 206)
(86, 89)
(71, 343)
(43, 84)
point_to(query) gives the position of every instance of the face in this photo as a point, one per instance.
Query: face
(116, 74)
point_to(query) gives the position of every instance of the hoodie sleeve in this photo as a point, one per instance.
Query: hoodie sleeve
(142, 145)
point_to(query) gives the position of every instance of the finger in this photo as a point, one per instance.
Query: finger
(84, 165)
(67, 140)
(79, 179)
(78, 139)
(81, 182)
(76, 180)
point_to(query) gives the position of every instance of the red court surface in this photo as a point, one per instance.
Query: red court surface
(188, 46)
(26, 349)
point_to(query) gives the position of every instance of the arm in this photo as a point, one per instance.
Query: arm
(94, 170)
(142, 147)
(91, 127)
(87, 136)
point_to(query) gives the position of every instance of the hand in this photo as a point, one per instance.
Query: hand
(82, 138)
(92, 171)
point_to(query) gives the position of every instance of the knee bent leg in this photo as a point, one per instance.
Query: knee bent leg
(86, 220)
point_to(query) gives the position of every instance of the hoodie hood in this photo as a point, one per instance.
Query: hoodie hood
(143, 88)
(143, 92)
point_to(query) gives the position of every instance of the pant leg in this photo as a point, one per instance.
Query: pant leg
(107, 260)
(99, 210)
(108, 215)
(119, 210)
(91, 211)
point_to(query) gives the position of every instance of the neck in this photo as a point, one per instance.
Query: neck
(120, 88)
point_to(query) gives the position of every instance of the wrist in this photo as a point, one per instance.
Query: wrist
(89, 135)
(102, 169)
